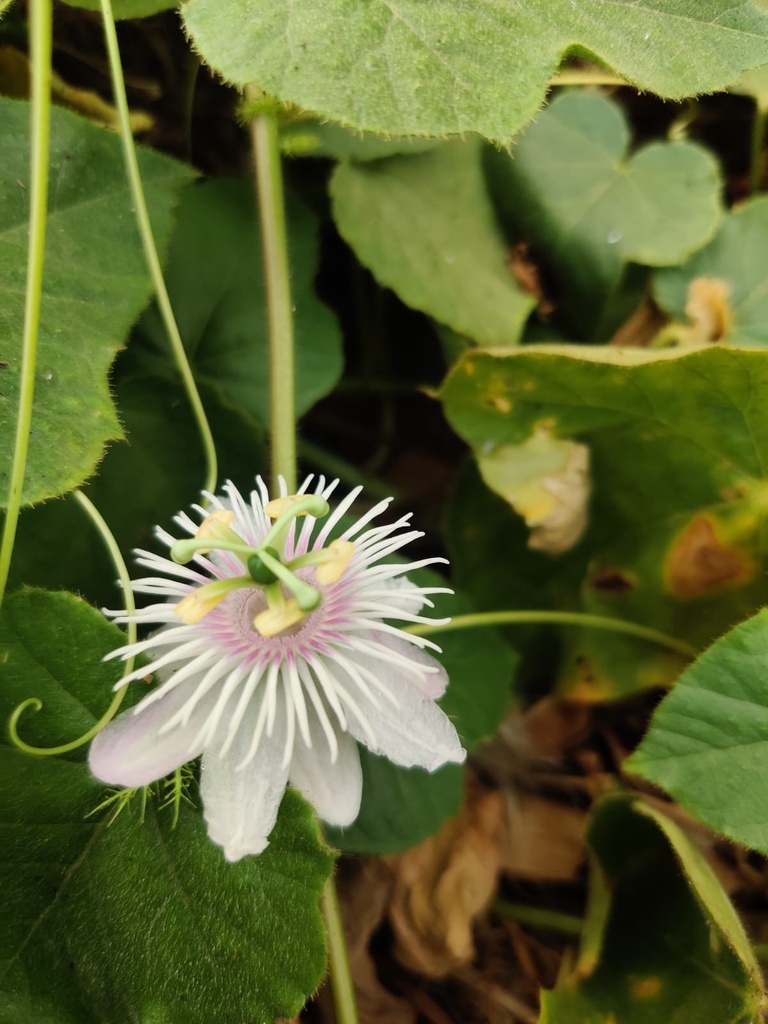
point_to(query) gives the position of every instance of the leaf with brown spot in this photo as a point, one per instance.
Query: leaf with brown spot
(676, 539)
(611, 580)
(700, 564)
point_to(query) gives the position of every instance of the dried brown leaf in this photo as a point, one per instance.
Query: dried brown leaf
(364, 894)
(545, 841)
(444, 883)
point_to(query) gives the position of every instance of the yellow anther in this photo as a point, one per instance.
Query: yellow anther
(216, 526)
(272, 621)
(196, 605)
(210, 525)
(277, 506)
(332, 570)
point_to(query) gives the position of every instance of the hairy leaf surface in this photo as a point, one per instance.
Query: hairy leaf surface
(95, 285)
(406, 67)
(132, 921)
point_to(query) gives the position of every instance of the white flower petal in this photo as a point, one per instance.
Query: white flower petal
(433, 683)
(240, 807)
(415, 731)
(264, 709)
(133, 751)
(334, 789)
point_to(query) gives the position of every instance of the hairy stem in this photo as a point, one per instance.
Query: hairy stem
(144, 225)
(40, 45)
(341, 979)
(274, 240)
(475, 619)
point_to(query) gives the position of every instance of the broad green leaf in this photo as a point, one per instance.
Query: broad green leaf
(402, 806)
(425, 226)
(216, 284)
(405, 67)
(127, 8)
(141, 483)
(676, 537)
(132, 921)
(708, 891)
(737, 256)
(709, 737)
(95, 286)
(673, 948)
(571, 189)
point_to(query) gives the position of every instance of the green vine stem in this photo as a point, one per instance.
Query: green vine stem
(338, 962)
(475, 619)
(539, 917)
(274, 240)
(150, 248)
(756, 164)
(269, 191)
(40, 47)
(33, 702)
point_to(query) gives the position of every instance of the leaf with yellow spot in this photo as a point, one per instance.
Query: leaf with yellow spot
(676, 538)
(546, 481)
(737, 258)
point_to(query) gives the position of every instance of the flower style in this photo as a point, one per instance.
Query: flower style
(275, 655)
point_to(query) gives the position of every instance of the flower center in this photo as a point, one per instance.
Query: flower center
(283, 597)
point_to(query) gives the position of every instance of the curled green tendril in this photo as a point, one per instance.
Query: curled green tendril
(144, 226)
(34, 702)
(63, 748)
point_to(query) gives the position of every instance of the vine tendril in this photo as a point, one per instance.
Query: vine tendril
(34, 702)
(144, 226)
